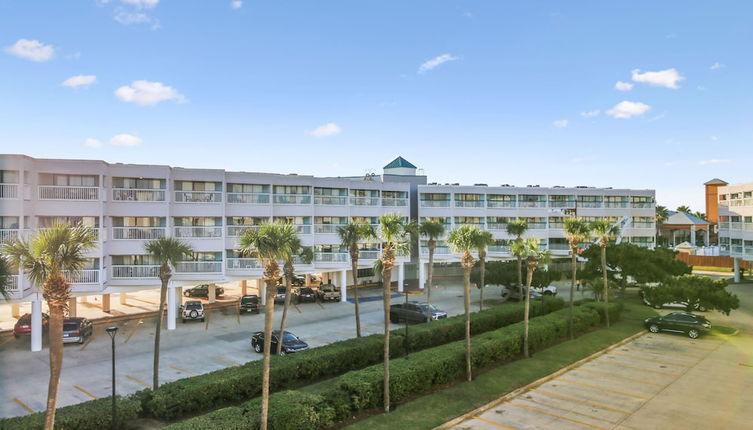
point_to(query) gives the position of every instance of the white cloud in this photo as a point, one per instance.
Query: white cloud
(237, 4)
(663, 78)
(623, 86)
(125, 140)
(590, 114)
(717, 66)
(326, 130)
(561, 123)
(127, 18)
(626, 109)
(33, 50)
(92, 143)
(141, 4)
(148, 93)
(713, 161)
(79, 81)
(435, 62)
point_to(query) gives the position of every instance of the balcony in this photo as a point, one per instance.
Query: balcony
(735, 225)
(736, 202)
(202, 232)
(398, 202)
(327, 228)
(364, 201)
(86, 276)
(736, 249)
(198, 267)
(501, 204)
(243, 264)
(58, 192)
(748, 226)
(616, 205)
(562, 204)
(368, 255)
(137, 195)
(302, 228)
(429, 203)
(537, 226)
(138, 233)
(559, 247)
(12, 286)
(95, 230)
(237, 230)
(8, 191)
(496, 226)
(248, 198)
(589, 205)
(469, 204)
(198, 196)
(723, 225)
(643, 225)
(331, 257)
(440, 251)
(748, 202)
(8, 233)
(499, 249)
(538, 204)
(292, 199)
(641, 205)
(135, 271)
(331, 200)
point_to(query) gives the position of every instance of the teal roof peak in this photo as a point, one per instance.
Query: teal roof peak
(400, 162)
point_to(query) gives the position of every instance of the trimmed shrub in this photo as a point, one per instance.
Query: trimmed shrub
(93, 415)
(615, 309)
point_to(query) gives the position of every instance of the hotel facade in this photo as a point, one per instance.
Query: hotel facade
(735, 223)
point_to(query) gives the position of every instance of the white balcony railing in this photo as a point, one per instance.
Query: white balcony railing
(86, 276)
(736, 249)
(58, 192)
(469, 204)
(135, 271)
(364, 201)
(331, 257)
(331, 200)
(641, 205)
(723, 225)
(748, 226)
(562, 204)
(8, 191)
(639, 224)
(248, 198)
(537, 226)
(202, 232)
(302, 228)
(736, 202)
(12, 286)
(327, 228)
(198, 196)
(537, 204)
(237, 230)
(368, 255)
(292, 199)
(243, 264)
(198, 267)
(496, 226)
(589, 205)
(8, 233)
(398, 202)
(501, 204)
(431, 203)
(138, 195)
(138, 233)
(736, 225)
(616, 205)
(723, 203)
(440, 251)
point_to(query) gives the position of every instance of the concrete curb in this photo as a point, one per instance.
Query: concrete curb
(536, 383)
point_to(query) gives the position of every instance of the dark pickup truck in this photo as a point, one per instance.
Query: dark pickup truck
(249, 304)
(414, 312)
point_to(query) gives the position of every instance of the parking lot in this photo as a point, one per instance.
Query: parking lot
(193, 348)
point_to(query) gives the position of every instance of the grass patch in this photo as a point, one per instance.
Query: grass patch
(722, 330)
(431, 410)
(713, 269)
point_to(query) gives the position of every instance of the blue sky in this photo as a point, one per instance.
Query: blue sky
(472, 91)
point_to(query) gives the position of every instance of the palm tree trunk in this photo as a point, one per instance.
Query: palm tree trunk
(269, 309)
(467, 304)
(354, 269)
(526, 311)
(158, 330)
(430, 280)
(387, 280)
(574, 251)
(606, 286)
(288, 285)
(520, 272)
(482, 266)
(56, 360)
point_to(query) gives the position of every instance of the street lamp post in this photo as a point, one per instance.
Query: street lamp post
(112, 331)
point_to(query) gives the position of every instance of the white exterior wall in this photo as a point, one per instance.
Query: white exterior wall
(736, 220)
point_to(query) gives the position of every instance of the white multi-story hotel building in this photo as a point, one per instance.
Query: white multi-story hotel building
(129, 204)
(736, 222)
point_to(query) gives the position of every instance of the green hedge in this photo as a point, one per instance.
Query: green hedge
(615, 309)
(93, 415)
(363, 389)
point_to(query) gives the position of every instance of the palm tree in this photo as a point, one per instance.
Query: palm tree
(289, 271)
(166, 251)
(684, 208)
(47, 258)
(4, 278)
(270, 243)
(485, 239)
(662, 213)
(518, 228)
(393, 235)
(528, 248)
(577, 230)
(463, 240)
(432, 230)
(605, 232)
(351, 235)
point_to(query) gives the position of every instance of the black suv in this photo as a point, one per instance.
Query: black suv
(290, 343)
(203, 291)
(414, 312)
(679, 322)
(77, 330)
(249, 304)
(306, 294)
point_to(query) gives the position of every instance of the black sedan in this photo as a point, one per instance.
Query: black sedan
(290, 342)
(679, 322)
(203, 291)
(306, 294)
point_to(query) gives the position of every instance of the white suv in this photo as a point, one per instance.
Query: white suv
(193, 310)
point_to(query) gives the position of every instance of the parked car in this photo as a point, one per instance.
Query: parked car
(549, 290)
(249, 303)
(414, 312)
(297, 281)
(193, 310)
(77, 330)
(280, 296)
(329, 292)
(515, 293)
(306, 294)
(203, 291)
(290, 342)
(679, 322)
(23, 325)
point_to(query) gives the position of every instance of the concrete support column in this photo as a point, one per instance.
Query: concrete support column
(736, 269)
(692, 234)
(36, 325)
(707, 242)
(72, 307)
(122, 298)
(400, 277)
(171, 308)
(244, 288)
(308, 279)
(262, 288)
(15, 310)
(343, 285)
(178, 297)
(421, 274)
(212, 293)
(106, 303)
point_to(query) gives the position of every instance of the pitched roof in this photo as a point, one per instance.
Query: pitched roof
(683, 218)
(400, 162)
(715, 181)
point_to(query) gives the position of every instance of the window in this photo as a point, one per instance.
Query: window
(8, 177)
(134, 260)
(50, 221)
(8, 222)
(364, 193)
(365, 219)
(292, 189)
(139, 183)
(365, 273)
(245, 220)
(330, 191)
(399, 195)
(75, 180)
(198, 221)
(247, 188)
(469, 220)
(133, 221)
(435, 197)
